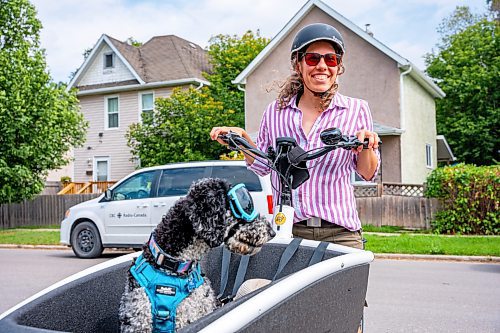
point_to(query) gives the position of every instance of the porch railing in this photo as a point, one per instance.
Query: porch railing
(86, 188)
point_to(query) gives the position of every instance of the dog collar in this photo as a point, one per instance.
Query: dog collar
(166, 261)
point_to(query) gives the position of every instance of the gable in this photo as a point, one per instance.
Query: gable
(96, 72)
(312, 5)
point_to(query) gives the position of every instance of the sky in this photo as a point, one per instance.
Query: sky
(408, 27)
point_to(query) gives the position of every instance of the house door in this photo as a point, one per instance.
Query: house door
(101, 169)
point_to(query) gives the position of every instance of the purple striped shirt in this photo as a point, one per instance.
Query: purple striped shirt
(328, 193)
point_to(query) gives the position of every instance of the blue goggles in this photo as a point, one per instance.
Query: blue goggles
(241, 203)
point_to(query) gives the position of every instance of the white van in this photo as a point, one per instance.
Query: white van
(131, 209)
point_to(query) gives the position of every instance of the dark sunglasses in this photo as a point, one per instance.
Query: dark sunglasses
(331, 59)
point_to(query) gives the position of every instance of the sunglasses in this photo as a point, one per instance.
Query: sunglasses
(331, 59)
(241, 203)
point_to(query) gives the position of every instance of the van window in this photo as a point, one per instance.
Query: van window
(178, 181)
(136, 187)
(238, 174)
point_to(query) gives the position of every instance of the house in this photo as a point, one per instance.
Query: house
(116, 84)
(401, 97)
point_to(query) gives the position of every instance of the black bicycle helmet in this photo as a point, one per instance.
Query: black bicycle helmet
(315, 32)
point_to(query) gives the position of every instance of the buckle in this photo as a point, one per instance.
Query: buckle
(225, 300)
(163, 314)
(171, 265)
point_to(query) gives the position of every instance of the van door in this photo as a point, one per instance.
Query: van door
(127, 217)
(172, 185)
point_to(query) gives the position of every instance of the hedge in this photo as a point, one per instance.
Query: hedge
(469, 197)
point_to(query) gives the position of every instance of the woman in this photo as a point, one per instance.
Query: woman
(308, 103)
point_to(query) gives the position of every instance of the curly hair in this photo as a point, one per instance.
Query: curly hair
(294, 85)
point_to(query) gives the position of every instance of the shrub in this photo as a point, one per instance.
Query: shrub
(469, 197)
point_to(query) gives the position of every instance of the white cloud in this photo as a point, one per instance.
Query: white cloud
(71, 26)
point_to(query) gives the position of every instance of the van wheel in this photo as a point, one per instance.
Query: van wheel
(86, 241)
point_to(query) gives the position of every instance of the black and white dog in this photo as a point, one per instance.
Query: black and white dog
(165, 290)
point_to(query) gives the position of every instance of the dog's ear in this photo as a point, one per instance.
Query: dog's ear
(210, 204)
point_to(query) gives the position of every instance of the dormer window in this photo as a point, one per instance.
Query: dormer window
(109, 60)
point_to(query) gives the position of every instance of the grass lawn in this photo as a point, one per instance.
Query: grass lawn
(26, 236)
(393, 240)
(434, 244)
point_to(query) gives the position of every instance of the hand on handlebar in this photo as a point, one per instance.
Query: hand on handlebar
(370, 140)
(217, 133)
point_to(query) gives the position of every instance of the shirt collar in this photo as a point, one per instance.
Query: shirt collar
(338, 100)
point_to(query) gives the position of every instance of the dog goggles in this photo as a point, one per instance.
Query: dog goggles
(312, 59)
(241, 203)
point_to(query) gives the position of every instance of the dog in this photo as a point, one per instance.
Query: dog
(201, 220)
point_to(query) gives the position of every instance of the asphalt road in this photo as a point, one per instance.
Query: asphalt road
(24, 272)
(403, 296)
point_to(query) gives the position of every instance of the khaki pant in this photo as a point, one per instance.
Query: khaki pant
(333, 234)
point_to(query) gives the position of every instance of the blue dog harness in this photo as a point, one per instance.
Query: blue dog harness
(165, 288)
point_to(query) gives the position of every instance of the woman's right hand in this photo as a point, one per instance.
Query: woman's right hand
(216, 131)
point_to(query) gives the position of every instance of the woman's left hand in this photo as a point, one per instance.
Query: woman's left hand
(373, 140)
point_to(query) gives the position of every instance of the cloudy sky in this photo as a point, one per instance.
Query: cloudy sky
(70, 26)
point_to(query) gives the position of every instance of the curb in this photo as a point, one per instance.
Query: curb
(389, 256)
(55, 247)
(429, 257)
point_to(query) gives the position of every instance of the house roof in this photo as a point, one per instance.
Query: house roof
(444, 153)
(160, 60)
(386, 130)
(403, 63)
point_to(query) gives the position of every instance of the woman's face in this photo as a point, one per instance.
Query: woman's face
(319, 78)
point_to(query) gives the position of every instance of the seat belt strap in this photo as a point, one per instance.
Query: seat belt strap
(240, 275)
(318, 253)
(287, 255)
(224, 271)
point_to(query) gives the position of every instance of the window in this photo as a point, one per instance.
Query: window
(237, 175)
(112, 112)
(178, 181)
(136, 187)
(147, 104)
(109, 60)
(428, 155)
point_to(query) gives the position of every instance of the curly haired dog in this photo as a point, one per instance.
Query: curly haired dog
(196, 223)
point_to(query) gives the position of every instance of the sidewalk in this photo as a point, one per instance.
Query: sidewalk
(389, 256)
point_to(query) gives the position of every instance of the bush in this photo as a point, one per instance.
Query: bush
(469, 196)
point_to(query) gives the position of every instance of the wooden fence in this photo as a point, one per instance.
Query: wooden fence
(43, 210)
(409, 212)
(400, 211)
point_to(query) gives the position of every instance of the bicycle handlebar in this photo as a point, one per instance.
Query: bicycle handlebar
(289, 158)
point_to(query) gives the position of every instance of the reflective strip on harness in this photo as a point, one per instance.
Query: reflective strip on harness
(164, 291)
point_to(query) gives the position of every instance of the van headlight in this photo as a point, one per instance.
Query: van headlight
(68, 212)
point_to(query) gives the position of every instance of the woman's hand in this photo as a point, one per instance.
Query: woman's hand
(373, 140)
(216, 131)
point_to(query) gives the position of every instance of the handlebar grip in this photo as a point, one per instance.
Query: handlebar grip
(365, 143)
(224, 137)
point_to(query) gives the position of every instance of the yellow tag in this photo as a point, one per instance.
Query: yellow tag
(280, 219)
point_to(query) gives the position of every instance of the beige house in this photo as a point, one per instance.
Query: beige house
(116, 84)
(401, 97)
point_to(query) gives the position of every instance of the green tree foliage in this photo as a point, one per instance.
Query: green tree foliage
(178, 129)
(229, 55)
(467, 68)
(39, 120)
(470, 199)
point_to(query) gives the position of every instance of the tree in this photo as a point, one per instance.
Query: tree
(178, 129)
(467, 67)
(229, 55)
(39, 120)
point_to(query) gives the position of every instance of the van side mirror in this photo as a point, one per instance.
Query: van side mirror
(108, 195)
